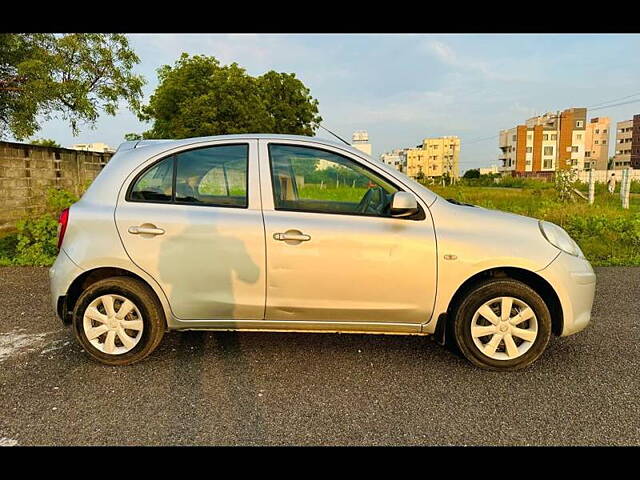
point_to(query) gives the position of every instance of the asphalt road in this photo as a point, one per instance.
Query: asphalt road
(315, 389)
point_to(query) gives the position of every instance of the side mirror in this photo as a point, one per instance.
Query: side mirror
(403, 204)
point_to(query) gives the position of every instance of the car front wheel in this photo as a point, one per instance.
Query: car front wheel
(118, 321)
(502, 324)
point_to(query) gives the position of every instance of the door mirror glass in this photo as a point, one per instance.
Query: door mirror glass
(403, 204)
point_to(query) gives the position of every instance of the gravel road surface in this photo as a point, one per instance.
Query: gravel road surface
(203, 388)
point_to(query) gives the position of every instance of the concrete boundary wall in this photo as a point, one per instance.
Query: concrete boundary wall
(601, 176)
(28, 171)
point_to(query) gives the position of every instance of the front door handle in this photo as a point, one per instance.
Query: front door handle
(143, 230)
(292, 236)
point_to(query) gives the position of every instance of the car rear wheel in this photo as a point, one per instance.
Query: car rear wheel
(502, 325)
(118, 321)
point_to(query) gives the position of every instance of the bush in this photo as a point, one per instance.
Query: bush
(36, 239)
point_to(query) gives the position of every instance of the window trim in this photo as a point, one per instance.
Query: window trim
(418, 216)
(173, 200)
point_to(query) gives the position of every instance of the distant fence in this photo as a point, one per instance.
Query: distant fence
(28, 171)
(601, 176)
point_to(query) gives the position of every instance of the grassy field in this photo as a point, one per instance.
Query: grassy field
(606, 233)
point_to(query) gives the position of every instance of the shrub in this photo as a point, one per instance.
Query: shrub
(36, 239)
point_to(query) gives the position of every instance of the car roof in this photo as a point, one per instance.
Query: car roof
(243, 136)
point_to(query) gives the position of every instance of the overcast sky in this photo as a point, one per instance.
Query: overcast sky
(402, 88)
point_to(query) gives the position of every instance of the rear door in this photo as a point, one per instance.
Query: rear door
(193, 221)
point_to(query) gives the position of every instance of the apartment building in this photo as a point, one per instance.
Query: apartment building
(417, 163)
(545, 143)
(98, 147)
(627, 152)
(596, 145)
(396, 158)
(443, 156)
(435, 157)
(360, 140)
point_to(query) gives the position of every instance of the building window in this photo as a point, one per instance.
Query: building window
(547, 163)
(579, 136)
(554, 137)
(574, 149)
(529, 149)
(514, 138)
(548, 150)
(596, 142)
(528, 137)
(579, 123)
(604, 142)
(545, 137)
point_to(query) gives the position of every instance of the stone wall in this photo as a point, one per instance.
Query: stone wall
(28, 171)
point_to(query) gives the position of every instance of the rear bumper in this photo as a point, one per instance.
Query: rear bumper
(61, 275)
(574, 281)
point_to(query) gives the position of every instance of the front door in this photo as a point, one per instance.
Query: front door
(193, 221)
(334, 253)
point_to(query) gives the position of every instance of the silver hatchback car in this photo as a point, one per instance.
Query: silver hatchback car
(300, 234)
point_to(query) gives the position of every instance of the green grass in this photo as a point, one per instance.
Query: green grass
(606, 233)
(343, 193)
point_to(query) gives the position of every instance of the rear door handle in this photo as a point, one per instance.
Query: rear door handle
(137, 230)
(294, 236)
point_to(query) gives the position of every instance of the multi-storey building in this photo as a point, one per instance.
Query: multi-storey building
(627, 152)
(596, 145)
(396, 159)
(549, 142)
(93, 147)
(435, 157)
(443, 156)
(360, 140)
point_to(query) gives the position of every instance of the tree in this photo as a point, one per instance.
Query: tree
(129, 137)
(75, 76)
(199, 97)
(289, 103)
(472, 173)
(45, 142)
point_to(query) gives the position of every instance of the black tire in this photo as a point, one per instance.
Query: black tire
(484, 292)
(146, 302)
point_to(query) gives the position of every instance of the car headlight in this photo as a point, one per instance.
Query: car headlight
(559, 238)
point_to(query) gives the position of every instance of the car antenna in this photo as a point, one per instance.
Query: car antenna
(342, 139)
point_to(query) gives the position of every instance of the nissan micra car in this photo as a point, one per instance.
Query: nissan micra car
(300, 234)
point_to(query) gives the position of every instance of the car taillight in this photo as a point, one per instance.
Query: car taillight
(62, 225)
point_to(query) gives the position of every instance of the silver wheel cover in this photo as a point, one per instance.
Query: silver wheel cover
(113, 324)
(504, 328)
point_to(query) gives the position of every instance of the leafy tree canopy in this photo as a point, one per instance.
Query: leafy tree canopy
(472, 173)
(132, 136)
(75, 76)
(45, 142)
(198, 97)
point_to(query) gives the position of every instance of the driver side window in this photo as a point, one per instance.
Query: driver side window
(313, 180)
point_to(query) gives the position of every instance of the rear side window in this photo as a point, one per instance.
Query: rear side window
(214, 176)
(156, 184)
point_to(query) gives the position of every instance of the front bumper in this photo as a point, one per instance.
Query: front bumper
(61, 275)
(574, 281)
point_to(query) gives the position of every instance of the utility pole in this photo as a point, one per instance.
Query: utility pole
(624, 188)
(451, 160)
